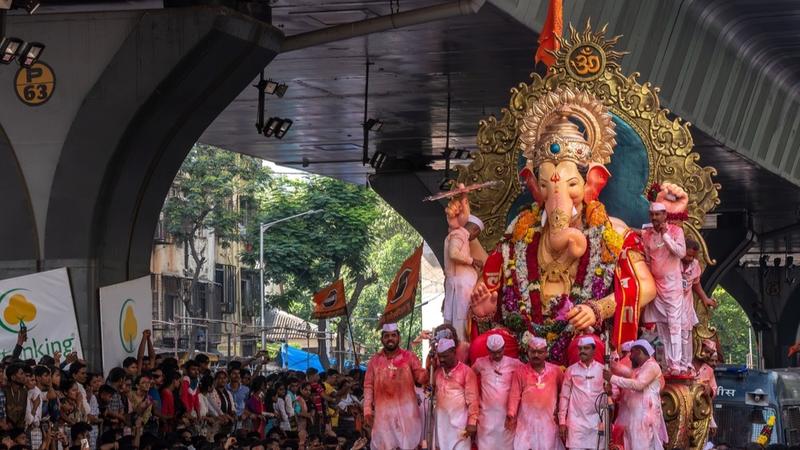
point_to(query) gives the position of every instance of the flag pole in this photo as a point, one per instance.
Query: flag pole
(352, 339)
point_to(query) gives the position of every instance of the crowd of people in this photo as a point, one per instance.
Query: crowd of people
(154, 403)
(503, 401)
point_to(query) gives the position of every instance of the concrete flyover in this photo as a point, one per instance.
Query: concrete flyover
(84, 176)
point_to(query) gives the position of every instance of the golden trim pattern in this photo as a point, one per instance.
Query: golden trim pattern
(587, 62)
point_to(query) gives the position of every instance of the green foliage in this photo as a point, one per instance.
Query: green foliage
(732, 324)
(308, 253)
(358, 237)
(204, 190)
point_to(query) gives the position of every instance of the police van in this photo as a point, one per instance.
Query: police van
(747, 398)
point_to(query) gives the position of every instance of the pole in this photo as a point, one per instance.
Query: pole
(262, 228)
(352, 339)
(749, 347)
(261, 270)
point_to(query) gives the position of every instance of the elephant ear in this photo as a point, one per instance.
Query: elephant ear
(533, 186)
(596, 179)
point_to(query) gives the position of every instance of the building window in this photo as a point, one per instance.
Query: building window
(225, 278)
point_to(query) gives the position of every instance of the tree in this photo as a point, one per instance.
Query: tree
(206, 195)
(394, 240)
(309, 253)
(732, 324)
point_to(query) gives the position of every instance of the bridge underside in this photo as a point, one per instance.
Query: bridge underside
(86, 173)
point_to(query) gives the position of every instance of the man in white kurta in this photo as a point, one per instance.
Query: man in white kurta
(642, 392)
(664, 246)
(579, 421)
(532, 401)
(495, 372)
(457, 400)
(461, 274)
(390, 402)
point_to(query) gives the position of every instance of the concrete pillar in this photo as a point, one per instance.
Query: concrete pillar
(134, 91)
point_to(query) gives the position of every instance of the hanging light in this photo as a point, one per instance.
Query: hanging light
(373, 125)
(9, 49)
(28, 5)
(272, 126)
(283, 128)
(31, 54)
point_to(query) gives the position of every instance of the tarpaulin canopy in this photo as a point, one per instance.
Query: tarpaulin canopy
(296, 359)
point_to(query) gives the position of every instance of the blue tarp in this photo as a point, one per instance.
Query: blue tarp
(295, 359)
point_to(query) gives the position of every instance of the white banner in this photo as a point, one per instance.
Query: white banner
(43, 304)
(126, 309)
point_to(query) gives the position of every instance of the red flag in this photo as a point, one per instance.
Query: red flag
(493, 271)
(553, 26)
(330, 302)
(402, 292)
(626, 293)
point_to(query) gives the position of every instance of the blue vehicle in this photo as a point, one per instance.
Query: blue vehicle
(747, 398)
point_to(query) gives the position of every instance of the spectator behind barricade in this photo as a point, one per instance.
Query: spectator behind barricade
(77, 370)
(330, 396)
(95, 380)
(16, 393)
(171, 382)
(281, 408)
(255, 410)
(223, 399)
(189, 389)
(131, 366)
(247, 376)
(141, 404)
(203, 363)
(312, 376)
(72, 408)
(115, 410)
(238, 390)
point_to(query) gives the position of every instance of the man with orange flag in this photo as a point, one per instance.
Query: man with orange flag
(390, 402)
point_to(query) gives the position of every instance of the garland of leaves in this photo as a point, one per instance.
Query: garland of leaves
(522, 303)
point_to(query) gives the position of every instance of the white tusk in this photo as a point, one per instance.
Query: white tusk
(544, 218)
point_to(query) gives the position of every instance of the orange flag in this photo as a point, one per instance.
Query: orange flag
(402, 292)
(330, 302)
(553, 26)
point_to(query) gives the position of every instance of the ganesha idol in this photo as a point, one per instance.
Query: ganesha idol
(563, 266)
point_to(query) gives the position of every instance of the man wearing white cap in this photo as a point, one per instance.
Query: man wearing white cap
(533, 399)
(579, 421)
(495, 372)
(623, 368)
(460, 268)
(390, 402)
(457, 400)
(664, 246)
(642, 393)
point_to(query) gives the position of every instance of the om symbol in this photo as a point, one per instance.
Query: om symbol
(586, 61)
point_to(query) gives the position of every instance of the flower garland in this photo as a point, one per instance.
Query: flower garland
(522, 303)
(766, 432)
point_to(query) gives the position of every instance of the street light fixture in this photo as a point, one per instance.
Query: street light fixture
(262, 228)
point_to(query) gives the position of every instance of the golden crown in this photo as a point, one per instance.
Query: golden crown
(549, 132)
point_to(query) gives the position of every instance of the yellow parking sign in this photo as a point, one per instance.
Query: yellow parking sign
(35, 85)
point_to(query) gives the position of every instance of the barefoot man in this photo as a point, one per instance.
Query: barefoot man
(645, 429)
(664, 246)
(457, 401)
(495, 372)
(532, 401)
(390, 403)
(579, 420)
